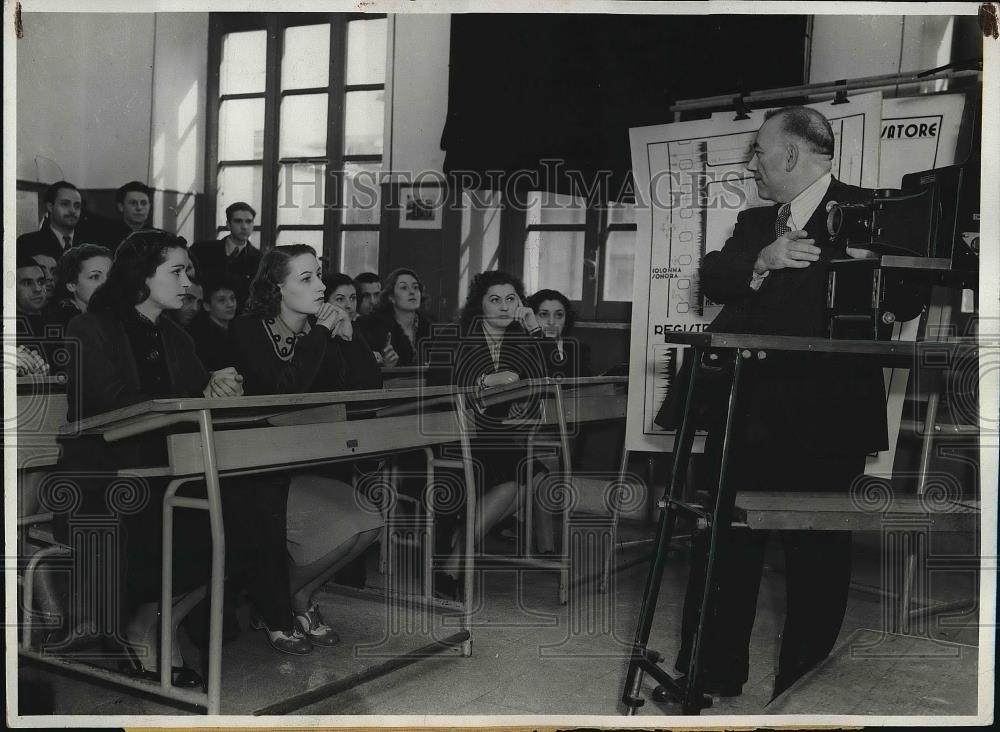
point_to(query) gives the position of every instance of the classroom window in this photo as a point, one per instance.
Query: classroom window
(585, 252)
(298, 129)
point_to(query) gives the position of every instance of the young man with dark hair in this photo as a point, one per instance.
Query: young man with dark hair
(63, 208)
(134, 202)
(369, 290)
(210, 327)
(30, 299)
(234, 255)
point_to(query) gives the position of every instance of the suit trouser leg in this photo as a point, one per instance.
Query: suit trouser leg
(726, 637)
(818, 578)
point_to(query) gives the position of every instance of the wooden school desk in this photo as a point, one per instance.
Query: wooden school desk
(250, 435)
(278, 432)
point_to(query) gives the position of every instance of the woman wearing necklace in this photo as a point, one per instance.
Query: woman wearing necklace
(398, 324)
(290, 342)
(501, 343)
(129, 352)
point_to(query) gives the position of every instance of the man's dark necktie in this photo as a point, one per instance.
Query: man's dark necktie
(781, 223)
(67, 242)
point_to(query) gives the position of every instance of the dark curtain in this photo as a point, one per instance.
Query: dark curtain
(525, 88)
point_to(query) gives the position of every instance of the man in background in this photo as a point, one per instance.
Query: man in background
(134, 202)
(63, 208)
(234, 256)
(369, 289)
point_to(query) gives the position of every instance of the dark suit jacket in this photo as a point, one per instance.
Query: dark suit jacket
(43, 241)
(211, 260)
(826, 405)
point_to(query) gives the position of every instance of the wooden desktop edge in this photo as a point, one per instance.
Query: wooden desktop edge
(155, 410)
(820, 345)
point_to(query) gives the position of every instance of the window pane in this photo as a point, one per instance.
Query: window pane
(358, 252)
(621, 213)
(303, 126)
(363, 121)
(305, 62)
(241, 129)
(555, 208)
(300, 194)
(312, 238)
(242, 68)
(362, 193)
(238, 183)
(480, 249)
(619, 266)
(366, 51)
(554, 259)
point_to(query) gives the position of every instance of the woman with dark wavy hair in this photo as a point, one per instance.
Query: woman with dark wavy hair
(570, 358)
(292, 341)
(79, 272)
(501, 343)
(129, 352)
(398, 324)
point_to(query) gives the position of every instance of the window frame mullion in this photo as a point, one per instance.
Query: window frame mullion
(272, 121)
(333, 190)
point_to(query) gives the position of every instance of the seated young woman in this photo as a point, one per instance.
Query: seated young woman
(342, 292)
(501, 342)
(292, 341)
(80, 271)
(568, 360)
(398, 324)
(210, 327)
(571, 357)
(129, 352)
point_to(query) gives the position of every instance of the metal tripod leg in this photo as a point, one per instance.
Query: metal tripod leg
(643, 660)
(719, 524)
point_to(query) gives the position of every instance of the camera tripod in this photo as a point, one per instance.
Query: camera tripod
(684, 689)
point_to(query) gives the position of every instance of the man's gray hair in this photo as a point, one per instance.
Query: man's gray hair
(808, 125)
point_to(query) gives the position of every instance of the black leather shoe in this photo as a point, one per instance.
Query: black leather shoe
(182, 677)
(722, 690)
(446, 587)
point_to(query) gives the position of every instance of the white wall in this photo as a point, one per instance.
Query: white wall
(83, 106)
(419, 91)
(89, 111)
(177, 154)
(854, 46)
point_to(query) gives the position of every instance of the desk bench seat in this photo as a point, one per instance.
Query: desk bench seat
(838, 511)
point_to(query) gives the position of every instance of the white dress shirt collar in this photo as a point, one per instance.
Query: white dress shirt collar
(803, 206)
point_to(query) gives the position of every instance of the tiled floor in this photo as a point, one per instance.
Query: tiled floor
(534, 656)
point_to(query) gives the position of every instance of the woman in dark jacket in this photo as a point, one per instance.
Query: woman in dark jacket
(570, 358)
(501, 343)
(129, 353)
(292, 341)
(398, 325)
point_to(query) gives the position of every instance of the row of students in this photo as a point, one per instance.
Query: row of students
(291, 340)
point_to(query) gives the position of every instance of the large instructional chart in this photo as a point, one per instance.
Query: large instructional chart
(691, 183)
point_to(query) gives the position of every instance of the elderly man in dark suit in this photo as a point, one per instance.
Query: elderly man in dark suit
(803, 423)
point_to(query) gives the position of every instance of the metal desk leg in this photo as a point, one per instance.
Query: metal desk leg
(567, 469)
(470, 522)
(643, 660)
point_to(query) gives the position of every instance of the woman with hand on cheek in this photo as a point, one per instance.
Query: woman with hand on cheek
(293, 341)
(501, 343)
(128, 353)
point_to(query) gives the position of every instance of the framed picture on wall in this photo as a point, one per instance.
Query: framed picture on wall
(421, 206)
